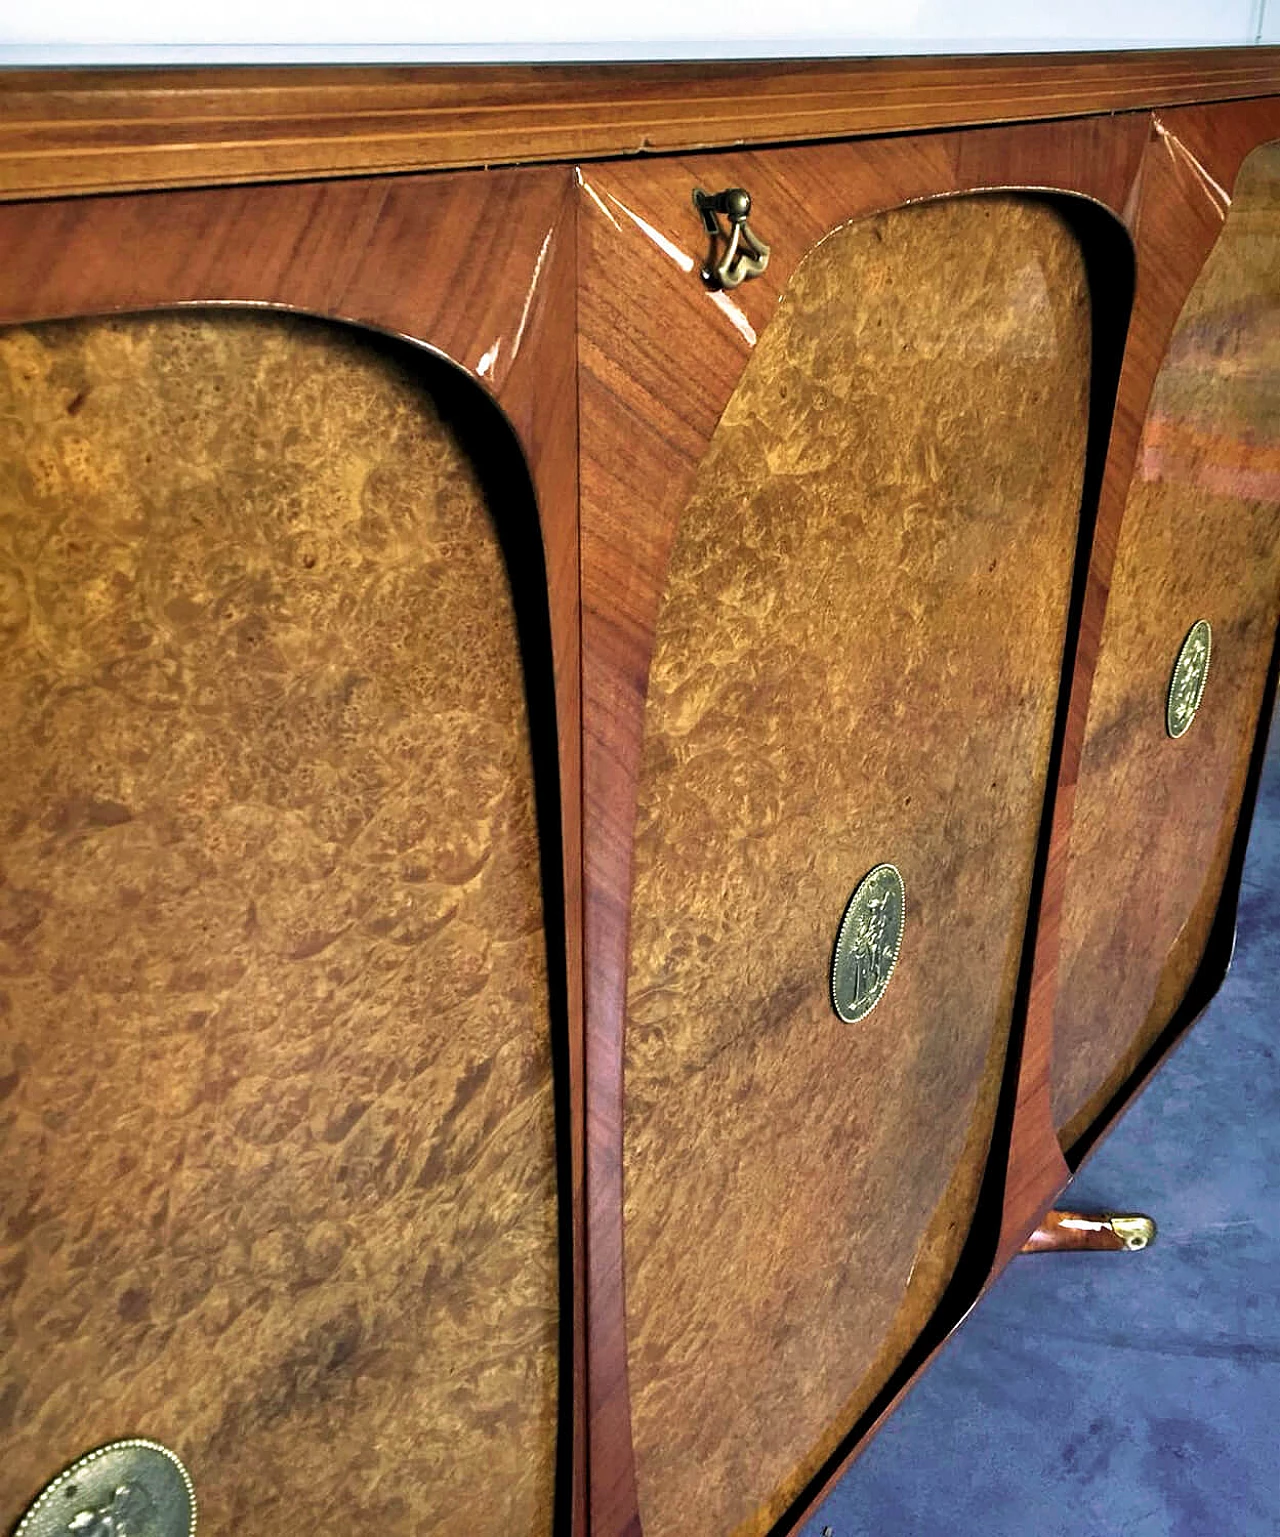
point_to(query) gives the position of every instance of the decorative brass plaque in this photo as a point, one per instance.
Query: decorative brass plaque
(1186, 687)
(868, 943)
(131, 1488)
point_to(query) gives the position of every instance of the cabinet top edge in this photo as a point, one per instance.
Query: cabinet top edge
(69, 131)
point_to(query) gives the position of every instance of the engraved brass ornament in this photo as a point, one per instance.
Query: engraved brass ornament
(868, 943)
(133, 1488)
(745, 255)
(1186, 686)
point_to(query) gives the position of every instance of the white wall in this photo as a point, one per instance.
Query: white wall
(94, 31)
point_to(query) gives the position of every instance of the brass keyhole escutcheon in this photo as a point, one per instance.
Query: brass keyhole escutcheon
(868, 944)
(132, 1488)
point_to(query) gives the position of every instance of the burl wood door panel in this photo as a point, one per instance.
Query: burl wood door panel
(856, 660)
(1155, 817)
(277, 1160)
(660, 358)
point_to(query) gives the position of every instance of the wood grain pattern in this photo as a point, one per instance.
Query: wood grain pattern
(398, 257)
(492, 271)
(455, 261)
(279, 1135)
(660, 359)
(481, 268)
(1155, 819)
(1074, 1232)
(1174, 211)
(856, 659)
(76, 131)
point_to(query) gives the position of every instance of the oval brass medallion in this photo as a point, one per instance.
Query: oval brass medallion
(131, 1488)
(1186, 686)
(868, 943)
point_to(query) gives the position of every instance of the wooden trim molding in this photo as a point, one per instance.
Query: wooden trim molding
(82, 131)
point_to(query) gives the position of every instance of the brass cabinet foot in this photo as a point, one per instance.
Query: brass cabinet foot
(1112, 1231)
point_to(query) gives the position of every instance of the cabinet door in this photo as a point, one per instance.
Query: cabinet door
(1198, 560)
(830, 525)
(278, 1144)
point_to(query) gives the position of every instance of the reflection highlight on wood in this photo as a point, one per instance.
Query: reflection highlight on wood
(1077, 1232)
(278, 1145)
(902, 457)
(642, 327)
(1155, 818)
(1173, 222)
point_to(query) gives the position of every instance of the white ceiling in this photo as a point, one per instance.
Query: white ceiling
(89, 31)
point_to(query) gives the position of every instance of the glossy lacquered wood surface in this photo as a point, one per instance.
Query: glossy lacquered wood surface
(67, 131)
(649, 405)
(856, 659)
(490, 270)
(279, 1146)
(1174, 211)
(1067, 1232)
(395, 258)
(1156, 817)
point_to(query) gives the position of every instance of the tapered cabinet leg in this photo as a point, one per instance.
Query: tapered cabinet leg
(1109, 1231)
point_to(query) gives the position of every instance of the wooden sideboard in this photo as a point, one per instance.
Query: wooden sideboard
(458, 664)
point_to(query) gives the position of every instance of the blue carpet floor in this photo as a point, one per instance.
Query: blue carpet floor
(1099, 1395)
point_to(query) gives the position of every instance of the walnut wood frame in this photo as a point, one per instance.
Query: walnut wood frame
(459, 262)
(85, 130)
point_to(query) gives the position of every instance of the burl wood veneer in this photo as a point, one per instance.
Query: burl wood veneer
(1155, 818)
(276, 1128)
(857, 660)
